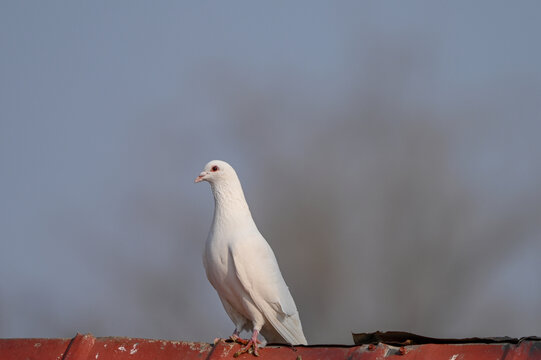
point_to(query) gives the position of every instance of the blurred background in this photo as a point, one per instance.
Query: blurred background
(389, 152)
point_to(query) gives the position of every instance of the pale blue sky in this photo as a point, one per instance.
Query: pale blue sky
(96, 96)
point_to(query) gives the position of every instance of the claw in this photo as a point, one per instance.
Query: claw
(235, 338)
(252, 346)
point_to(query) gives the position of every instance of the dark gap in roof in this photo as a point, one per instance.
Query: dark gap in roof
(401, 338)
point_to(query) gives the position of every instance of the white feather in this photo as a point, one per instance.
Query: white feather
(241, 265)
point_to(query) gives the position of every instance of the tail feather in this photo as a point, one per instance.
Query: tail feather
(287, 326)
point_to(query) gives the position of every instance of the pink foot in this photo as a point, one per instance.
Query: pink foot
(235, 338)
(252, 346)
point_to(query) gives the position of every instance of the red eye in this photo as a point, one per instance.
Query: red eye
(214, 168)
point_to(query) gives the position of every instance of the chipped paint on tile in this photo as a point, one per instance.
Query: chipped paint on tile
(204, 347)
(133, 349)
(227, 347)
(391, 350)
(194, 346)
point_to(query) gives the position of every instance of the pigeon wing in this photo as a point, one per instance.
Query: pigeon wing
(258, 272)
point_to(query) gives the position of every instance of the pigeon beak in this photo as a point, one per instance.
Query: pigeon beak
(201, 177)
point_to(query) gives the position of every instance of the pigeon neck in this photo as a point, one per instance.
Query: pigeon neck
(230, 203)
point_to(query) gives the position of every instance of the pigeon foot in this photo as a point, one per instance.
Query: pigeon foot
(252, 346)
(236, 339)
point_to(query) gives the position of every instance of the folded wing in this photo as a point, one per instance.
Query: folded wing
(261, 278)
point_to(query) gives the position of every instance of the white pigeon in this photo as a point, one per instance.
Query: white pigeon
(241, 266)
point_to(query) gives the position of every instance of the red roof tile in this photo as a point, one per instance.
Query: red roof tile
(88, 347)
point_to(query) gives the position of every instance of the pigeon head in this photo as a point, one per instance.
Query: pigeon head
(216, 171)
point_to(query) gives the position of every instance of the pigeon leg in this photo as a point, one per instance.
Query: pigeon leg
(237, 339)
(251, 347)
